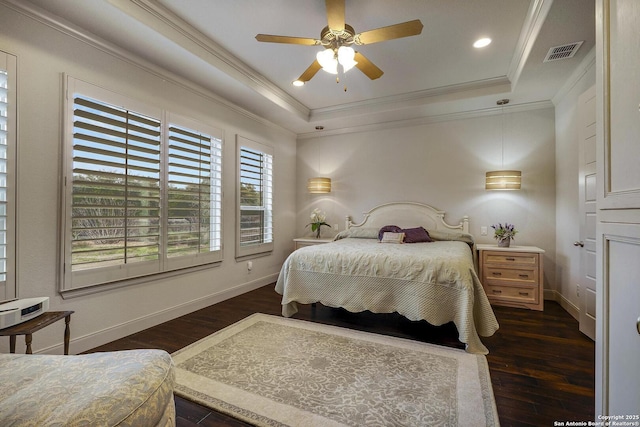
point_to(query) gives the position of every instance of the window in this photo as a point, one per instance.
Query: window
(143, 188)
(7, 175)
(255, 197)
(194, 191)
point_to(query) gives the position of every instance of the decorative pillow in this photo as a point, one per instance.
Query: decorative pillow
(416, 235)
(364, 233)
(359, 233)
(342, 235)
(389, 228)
(390, 237)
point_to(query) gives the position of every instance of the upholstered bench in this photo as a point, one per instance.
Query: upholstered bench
(122, 388)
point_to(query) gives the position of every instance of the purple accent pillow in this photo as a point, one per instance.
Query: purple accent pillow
(416, 235)
(390, 229)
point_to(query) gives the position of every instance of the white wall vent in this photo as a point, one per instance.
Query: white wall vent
(565, 51)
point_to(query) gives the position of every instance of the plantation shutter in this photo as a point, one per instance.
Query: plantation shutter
(115, 213)
(194, 194)
(255, 198)
(142, 188)
(4, 111)
(7, 174)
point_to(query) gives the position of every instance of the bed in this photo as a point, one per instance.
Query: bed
(435, 281)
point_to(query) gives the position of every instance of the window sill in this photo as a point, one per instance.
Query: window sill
(94, 289)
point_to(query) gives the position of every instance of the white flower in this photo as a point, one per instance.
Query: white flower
(317, 216)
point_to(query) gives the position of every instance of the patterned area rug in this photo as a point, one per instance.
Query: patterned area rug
(274, 371)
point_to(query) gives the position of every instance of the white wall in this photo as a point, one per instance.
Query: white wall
(44, 54)
(442, 164)
(567, 193)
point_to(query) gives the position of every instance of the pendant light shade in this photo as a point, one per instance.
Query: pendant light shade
(319, 185)
(503, 180)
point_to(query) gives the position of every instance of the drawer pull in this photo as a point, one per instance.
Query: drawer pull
(510, 259)
(497, 273)
(524, 275)
(524, 294)
(496, 291)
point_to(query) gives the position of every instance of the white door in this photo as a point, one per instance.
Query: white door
(588, 192)
(618, 210)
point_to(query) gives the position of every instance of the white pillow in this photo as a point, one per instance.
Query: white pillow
(389, 237)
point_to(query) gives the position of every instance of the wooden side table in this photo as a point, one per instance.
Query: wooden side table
(30, 326)
(301, 242)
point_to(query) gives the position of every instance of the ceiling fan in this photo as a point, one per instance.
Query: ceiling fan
(337, 39)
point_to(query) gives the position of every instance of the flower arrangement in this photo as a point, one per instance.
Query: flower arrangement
(317, 221)
(504, 233)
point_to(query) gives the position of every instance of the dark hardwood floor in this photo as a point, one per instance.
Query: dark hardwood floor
(542, 367)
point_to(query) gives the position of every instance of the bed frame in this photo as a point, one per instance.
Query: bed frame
(406, 215)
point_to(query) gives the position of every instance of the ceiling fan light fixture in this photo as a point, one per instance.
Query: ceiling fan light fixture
(339, 36)
(346, 57)
(328, 61)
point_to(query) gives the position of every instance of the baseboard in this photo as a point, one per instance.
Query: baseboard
(569, 307)
(98, 338)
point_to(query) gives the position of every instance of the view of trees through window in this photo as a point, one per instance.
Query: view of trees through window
(254, 178)
(116, 185)
(118, 182)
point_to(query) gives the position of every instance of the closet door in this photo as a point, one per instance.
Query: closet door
(587, 187)
(618, 208)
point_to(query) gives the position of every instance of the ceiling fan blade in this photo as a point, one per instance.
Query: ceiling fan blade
(310, 72)
(367, 67)
(286, 39)
(335, 14)
(405, 29)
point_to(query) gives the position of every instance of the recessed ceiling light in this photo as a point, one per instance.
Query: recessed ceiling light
(482, 43)
(298, 83)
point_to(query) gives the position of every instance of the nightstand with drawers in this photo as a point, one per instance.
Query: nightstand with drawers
(512, 276)
(309, 241)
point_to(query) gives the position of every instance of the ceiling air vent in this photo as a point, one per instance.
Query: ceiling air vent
(565, 51)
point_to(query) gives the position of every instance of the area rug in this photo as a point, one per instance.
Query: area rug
(274, 371)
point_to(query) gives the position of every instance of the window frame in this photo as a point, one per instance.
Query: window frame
(266, 246)
(8, 286)
(128, 273)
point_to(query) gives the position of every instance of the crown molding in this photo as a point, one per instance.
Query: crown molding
(411, 99)
(463, 115)
(538, 11)
(174, 28)
(56, 23)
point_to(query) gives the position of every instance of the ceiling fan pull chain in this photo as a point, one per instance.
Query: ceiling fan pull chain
(344, 80)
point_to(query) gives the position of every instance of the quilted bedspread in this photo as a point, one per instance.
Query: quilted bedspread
(433, 281)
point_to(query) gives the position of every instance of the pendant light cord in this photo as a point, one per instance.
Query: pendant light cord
(502, 103)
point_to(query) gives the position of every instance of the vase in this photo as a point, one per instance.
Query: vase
(318, 233)
(504, 243)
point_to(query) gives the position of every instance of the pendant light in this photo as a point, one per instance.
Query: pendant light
(503, 179)
(319, 185)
